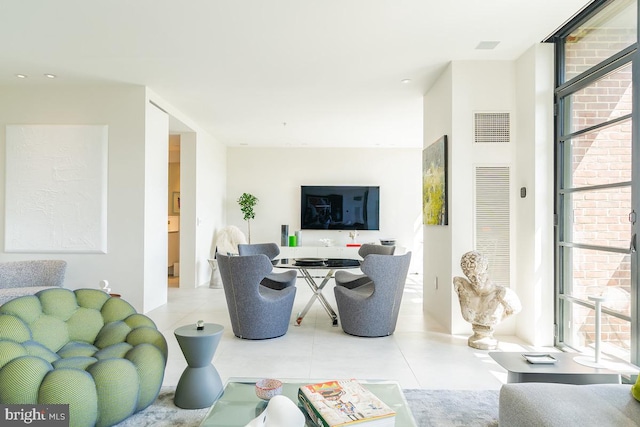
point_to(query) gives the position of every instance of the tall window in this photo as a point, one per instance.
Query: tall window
(597, 178)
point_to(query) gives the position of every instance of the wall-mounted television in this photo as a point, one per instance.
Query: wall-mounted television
(332, 207)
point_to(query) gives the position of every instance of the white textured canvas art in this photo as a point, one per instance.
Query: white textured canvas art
(56, 188)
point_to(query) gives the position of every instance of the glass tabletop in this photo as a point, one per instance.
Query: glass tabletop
(309, 263)
(239, 403)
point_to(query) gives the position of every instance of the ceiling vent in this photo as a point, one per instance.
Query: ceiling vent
(492, 128)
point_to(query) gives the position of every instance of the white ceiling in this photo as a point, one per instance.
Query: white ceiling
(273, 72)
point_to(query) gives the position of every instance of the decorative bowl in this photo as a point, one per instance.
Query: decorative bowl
(327, 242)
(388, 242)
(267, 388)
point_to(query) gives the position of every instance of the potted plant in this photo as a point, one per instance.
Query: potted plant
(247, 201)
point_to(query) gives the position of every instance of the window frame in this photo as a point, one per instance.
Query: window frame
(562, 90)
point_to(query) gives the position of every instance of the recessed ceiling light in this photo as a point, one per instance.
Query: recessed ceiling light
(405, 81)
(21, 76)
(50, 76)
(487, 45)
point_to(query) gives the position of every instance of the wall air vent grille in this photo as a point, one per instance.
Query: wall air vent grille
(493, 220)
(492, 127)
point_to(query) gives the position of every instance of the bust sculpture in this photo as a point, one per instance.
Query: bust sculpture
(483, 303)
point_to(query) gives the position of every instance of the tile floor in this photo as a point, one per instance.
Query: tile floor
(418, 355)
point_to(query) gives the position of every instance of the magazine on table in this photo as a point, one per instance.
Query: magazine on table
(344, 403)
(539, 358)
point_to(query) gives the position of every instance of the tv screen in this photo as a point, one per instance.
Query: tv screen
(339, 207)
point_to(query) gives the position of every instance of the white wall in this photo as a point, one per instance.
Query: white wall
(534, 156)
(438, 115)
(122, 109)
(156, 177)
(525, 89)
(211, 214)
(189, 275)
(274, 176)
(478, 86)
(465, 88)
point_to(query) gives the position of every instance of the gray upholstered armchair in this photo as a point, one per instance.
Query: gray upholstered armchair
(19, 278)
(256, 312)
(372, 310)
(353, 280)
(271, 250)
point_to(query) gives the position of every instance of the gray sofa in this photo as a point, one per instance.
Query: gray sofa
(19, 278)
(562, 405)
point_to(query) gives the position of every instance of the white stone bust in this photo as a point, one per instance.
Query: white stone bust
(483, 303)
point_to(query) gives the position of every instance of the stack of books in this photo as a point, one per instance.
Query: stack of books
(344, 403)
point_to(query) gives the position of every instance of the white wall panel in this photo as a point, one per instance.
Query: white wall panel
(56, 188)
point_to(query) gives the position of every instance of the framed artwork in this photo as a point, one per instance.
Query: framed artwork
(176, 202)
(434, 183)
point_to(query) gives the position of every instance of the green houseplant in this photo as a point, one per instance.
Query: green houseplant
(247, 201)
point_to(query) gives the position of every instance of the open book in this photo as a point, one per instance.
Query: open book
(344, 403)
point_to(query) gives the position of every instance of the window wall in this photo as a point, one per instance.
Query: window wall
(597, 178)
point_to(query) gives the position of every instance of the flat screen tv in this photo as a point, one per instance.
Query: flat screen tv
(332, 207)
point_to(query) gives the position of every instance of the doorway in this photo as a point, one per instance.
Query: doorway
(173, 210)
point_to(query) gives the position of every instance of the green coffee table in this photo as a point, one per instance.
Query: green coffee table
(239, 403)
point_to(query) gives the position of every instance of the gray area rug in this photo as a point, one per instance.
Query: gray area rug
(439, 408)
(163, 413)
(448, 408)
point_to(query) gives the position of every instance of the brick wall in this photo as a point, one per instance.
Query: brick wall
(600, 217)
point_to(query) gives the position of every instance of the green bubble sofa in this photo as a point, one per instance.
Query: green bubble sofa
(82, 348)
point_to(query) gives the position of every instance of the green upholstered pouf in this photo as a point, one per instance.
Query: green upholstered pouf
(81, 348)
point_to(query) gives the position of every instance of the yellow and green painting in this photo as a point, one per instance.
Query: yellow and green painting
(434, 183)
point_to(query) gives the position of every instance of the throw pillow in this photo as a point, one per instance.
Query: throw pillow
(635, 389)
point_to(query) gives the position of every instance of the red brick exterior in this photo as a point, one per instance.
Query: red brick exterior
(600, 217)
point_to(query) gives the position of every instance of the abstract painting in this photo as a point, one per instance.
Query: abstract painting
(434, 183)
